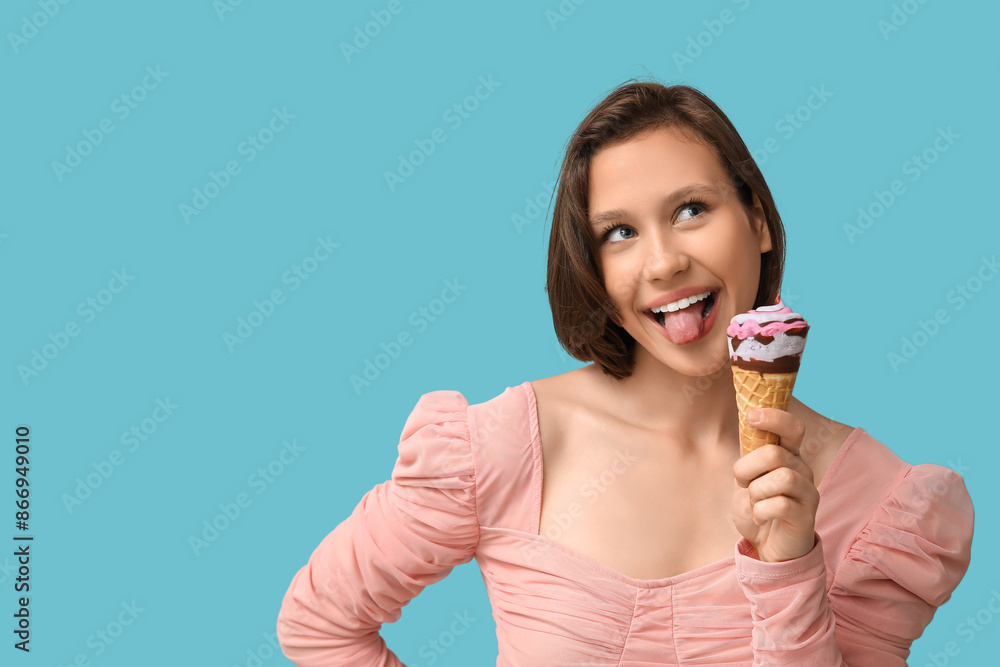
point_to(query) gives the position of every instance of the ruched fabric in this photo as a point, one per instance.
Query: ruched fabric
(893, 542)
(405, 533)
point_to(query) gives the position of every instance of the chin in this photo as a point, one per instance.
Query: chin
(711, 370)
(708, 365)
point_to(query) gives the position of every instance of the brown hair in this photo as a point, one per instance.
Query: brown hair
(585, 317)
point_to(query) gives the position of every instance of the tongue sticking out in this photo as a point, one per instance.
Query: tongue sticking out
(683, 325)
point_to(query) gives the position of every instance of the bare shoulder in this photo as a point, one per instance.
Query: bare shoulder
(823, 437)
(563, 400)
(573, 389)
(558, 393)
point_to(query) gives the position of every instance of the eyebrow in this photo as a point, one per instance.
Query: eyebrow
(616, 214)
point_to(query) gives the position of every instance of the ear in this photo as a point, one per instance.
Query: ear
(759, 222)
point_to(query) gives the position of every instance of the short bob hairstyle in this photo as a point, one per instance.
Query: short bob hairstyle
(586, 320)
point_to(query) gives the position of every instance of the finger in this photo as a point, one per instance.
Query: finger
(783, 482)
(763, 460)
(780, 508)
(742, 513)
(789, 428)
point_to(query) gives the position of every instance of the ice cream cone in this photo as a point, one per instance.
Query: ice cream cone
(765, 347)
(760, 390)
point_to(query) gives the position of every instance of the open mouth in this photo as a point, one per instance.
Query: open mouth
(704, 301)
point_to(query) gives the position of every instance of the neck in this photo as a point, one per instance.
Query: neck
(697, 411)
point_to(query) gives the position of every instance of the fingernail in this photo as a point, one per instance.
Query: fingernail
(753, 416)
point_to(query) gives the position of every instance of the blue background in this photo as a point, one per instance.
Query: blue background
(322, 176)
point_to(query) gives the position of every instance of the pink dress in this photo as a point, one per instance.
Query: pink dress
(893, 543)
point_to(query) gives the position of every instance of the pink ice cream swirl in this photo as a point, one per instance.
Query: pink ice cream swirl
(773, 335)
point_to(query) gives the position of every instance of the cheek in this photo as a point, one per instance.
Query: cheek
(622, 285)
(746, 271)
(623, 300)
(723, 254)
(619, 276)
(620, 300)
(741, 246)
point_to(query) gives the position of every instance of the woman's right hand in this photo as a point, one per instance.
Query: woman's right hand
(775, 498)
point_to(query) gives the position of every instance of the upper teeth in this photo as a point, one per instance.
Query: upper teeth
(681, 303)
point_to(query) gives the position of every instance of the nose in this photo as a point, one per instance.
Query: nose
(664, 256)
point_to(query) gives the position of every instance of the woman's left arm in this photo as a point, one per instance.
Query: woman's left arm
(902, 566)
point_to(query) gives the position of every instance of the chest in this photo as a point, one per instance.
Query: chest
(628, 501)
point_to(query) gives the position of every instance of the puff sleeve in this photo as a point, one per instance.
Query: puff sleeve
(904, 563)
(404, 534)
(903, 566)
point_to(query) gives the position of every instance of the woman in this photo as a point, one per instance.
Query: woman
(609, 509)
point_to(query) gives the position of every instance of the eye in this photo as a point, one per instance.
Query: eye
(696, 206)
(611, 230)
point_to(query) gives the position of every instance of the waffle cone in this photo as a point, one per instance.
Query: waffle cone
(760, 390)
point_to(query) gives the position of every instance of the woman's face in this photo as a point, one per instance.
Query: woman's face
(669, 224)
